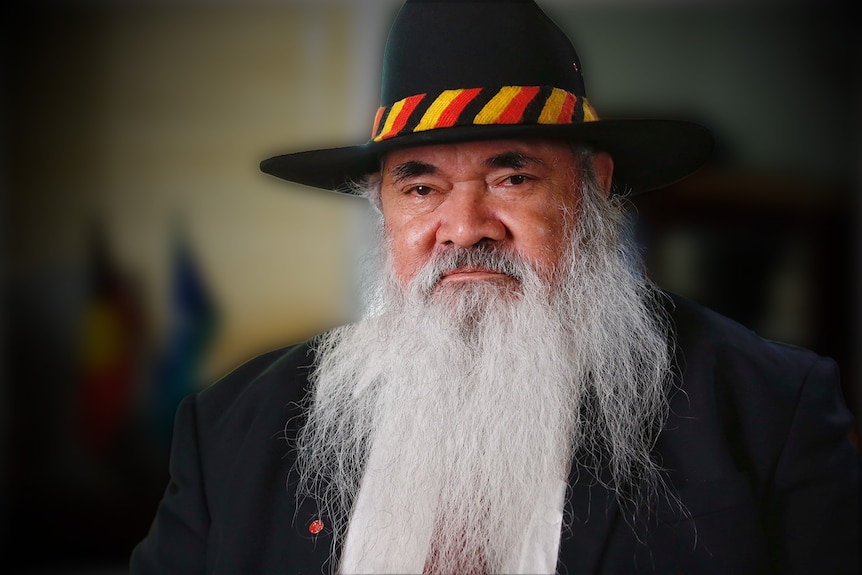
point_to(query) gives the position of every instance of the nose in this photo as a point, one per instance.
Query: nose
(467, 217)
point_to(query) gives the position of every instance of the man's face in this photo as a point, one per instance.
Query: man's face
(521, 195)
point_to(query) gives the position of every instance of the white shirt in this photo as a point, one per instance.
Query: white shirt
(389, 541)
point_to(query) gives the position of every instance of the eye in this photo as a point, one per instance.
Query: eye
(516, 180)
(420, 190)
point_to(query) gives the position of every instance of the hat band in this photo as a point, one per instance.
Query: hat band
(481, 107)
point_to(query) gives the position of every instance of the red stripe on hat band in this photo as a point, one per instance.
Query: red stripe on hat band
(377, 119)
(514, 112)
(404, 115)
(453, 111)
(568, 109)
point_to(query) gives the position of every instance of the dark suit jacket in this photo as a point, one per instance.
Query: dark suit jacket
(756, 444)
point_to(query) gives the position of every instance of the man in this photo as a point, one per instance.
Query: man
(518, 397)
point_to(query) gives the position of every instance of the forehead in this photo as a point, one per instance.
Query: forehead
(550, 154)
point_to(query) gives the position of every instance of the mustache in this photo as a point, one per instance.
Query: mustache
(486, 256)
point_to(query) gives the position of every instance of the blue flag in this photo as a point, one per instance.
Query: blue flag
(192, 323)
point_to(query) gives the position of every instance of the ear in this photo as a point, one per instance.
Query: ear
(603, 166)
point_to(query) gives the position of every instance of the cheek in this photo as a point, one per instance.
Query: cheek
(410, 246)
(543, 239)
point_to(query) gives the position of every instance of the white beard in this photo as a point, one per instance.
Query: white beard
(457, 406)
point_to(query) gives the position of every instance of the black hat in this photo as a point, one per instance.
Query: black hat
(458, 70)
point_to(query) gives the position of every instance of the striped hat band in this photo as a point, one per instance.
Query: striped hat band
(481, 106)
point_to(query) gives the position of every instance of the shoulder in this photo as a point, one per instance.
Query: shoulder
(262, 393)
(753, 388)
(746, 398)
(768, 422)
(230, 461)
(708, 340)
(278, 373)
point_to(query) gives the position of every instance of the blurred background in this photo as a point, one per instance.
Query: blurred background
(144, 255)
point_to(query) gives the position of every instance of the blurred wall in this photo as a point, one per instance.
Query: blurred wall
(132, 128)
(148, 116)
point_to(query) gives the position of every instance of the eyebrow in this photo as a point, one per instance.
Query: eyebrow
(412, 169)
(513, 160)
(415, 168)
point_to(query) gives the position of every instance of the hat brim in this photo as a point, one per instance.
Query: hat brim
(647, 154)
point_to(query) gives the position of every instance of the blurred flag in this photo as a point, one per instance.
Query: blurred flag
(192, 322)
(110, 352)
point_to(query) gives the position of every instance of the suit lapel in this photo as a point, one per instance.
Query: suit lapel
(590, 516)
(314, 530)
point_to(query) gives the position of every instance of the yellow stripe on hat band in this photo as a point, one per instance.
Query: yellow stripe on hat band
(390, 119)
(553, 107)
(589, 114)
(432, 115)
(497, 105)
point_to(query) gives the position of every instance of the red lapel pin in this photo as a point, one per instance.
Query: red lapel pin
(316, 526)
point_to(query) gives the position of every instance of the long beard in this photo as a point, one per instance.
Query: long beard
(449, 417)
